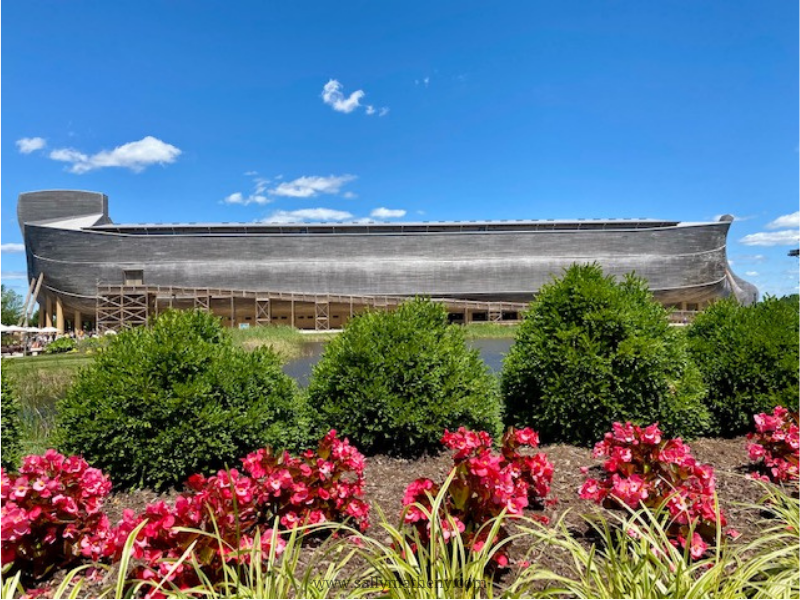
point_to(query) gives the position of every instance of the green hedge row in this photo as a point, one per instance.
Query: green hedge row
(177, 398)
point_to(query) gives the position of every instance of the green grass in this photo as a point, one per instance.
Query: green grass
(40, 381)
(289, 343)
(475, 331)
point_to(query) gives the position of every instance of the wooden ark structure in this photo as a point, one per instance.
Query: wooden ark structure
(91, 272)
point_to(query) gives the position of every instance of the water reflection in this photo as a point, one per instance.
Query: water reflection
(492, 352)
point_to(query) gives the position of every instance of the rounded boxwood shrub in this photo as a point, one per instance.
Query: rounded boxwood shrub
(161, 403)
(393, 381)
(10, 426)
(591, 351)
(748, 357)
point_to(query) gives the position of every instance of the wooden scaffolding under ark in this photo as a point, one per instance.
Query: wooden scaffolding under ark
(122, 306)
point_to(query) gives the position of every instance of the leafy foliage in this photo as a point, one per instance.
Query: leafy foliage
(164, 402)
(776, 445)
(645, 470)
(591, 351)
(62, 344)
(392, 381)
(748, 357)
(482, 486)
(11, 426)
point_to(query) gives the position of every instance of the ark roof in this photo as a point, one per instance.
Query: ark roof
(383, 227)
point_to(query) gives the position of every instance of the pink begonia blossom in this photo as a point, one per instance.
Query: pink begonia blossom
(484, 485)
(322, 485)
(775, 445)
(644, 469)
(54, 505)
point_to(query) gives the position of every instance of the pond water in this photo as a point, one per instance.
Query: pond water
(492, 352)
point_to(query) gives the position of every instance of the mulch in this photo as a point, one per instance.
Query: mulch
(387, 478)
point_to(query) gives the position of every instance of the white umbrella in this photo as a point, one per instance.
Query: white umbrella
(48, 330)
(110, 332)
(11, 329)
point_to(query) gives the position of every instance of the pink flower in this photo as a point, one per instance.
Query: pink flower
(651, 434)
(527, 437)
(624, 433)
(590, 490)
(416, 491)
(697, 547)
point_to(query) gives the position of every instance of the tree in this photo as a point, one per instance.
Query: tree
(11, 307)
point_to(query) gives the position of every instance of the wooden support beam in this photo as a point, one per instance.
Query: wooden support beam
(263, 311)
(321, 315)
(59, 315)
(34, 299)
(23, 320)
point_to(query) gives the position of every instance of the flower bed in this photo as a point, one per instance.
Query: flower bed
(643, 469)
(484, 485)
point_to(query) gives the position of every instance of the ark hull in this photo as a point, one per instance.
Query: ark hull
(81, 251)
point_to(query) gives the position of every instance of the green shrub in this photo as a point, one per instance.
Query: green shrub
(164, 402)
(393, 381)
(92, 344)
(10, 427)
(748, 357)
(62, 344)
(591, 351)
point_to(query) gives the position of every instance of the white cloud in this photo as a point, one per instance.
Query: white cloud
(260, 184)
(256, 197)
(792, 220)
(307, 214)
(14, 275)
(28, 145)
(333, 96)
(12, 248)
(349, 195)
(69, 155)
(751, 273)
(387, 213)
(239, 198)
(135, 156)
(786, 237)
(308, 187)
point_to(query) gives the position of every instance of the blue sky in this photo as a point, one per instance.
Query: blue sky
(243, 111)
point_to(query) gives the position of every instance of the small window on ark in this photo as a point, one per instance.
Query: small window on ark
(133, 277)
